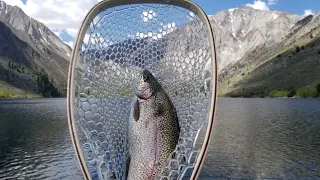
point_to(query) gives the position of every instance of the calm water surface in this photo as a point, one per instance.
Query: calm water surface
(253, 139)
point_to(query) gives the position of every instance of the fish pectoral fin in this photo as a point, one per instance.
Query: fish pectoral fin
(136, 110)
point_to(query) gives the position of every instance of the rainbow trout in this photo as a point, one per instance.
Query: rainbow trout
(153, 132)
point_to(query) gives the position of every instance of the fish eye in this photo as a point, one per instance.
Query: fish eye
(145, 77)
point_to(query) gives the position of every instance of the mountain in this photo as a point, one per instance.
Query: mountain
(252, 43)
(32, 57)
(243, 30)
(258, 51)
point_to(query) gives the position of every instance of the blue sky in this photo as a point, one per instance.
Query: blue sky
(64, 17)
(291, 6)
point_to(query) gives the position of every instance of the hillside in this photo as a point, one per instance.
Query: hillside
(294, 62)
(256, 52)
(244, 30)
(32, 58)
(288, 69)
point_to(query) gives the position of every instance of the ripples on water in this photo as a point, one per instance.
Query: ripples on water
(35, 141)
(253, 139)
(265, 138)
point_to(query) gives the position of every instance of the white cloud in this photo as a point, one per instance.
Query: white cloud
(58, 15)
(272, 2)
(70, 43)
(308, 12)
(73, 32)
(258, 4)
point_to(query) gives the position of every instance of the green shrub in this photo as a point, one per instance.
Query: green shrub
(307, 92)
(5, 94)
(220, 95)
(275, 93)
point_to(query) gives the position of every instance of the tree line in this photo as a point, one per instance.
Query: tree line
(293, 92)
(17, 66)
(46, 86)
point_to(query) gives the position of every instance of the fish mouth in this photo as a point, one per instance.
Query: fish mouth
(144, 94)
(144, 91)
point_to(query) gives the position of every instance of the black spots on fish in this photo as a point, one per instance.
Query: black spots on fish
(159, 112)
(136, 110)
(146, 124)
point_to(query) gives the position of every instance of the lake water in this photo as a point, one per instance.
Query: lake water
(253, 139)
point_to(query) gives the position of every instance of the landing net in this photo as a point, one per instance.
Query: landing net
(114, 45)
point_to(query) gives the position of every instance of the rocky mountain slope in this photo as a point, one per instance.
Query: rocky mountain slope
(33, 32)
(252, 47)
(245, 30)
(294, 67)
(254, 71)
(31, 56)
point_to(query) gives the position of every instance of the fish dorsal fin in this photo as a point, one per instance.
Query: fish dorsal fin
(136, 110)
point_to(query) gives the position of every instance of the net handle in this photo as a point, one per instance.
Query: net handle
(101, 6)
